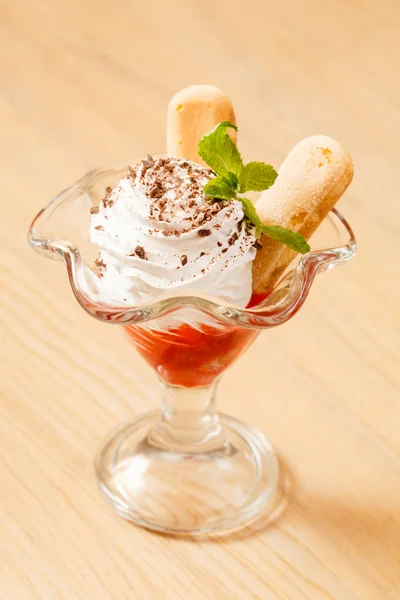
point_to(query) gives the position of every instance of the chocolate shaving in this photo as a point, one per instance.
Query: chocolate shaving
(106, 200)
(148, 162)
(233, 239)
(202, 254)
(249, 228)
(132, 171)
(184, 260)
(140, 253)
(204, 232)
(257, 245)
(219, 244)
(99, 227)
(101, 266)
(224, 250)
(157, 191)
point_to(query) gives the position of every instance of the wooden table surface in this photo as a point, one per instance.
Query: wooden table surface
(86, 83)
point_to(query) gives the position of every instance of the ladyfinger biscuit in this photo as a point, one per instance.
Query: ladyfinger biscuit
(192, 113)
(311, 180)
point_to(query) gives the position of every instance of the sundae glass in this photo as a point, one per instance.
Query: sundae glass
(184, 468)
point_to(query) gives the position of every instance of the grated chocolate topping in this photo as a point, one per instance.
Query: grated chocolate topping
(175, 190)
(233, 239)
(101, 266)
(106, 201)
(139, 252)
(170, 198)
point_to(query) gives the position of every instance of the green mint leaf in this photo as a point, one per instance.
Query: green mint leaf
(290, 238)
(256, 176)
(219, 152)
(222, 186)
(293, 240)
(249, 211)
(233, 182)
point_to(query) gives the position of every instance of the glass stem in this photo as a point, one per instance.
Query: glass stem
(189, 421)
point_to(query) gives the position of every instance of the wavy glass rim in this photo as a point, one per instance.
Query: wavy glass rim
(282, 303)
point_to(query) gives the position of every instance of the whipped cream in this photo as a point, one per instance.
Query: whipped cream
(157, 232)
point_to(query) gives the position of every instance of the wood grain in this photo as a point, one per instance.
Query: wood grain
(86, 83)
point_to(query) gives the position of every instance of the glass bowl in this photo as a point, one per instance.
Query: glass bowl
(184, 469)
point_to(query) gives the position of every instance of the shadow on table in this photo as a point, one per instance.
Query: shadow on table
(366, 535)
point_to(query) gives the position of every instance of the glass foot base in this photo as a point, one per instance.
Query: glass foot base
(191, 492)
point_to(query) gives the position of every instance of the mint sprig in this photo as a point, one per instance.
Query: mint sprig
(219, 152)
(222, 186)
(232, 177)
(256, 176)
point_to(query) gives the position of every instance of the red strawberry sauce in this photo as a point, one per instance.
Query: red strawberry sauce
(191, 357)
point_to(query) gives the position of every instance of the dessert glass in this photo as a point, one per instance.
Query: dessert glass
(184, 469)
